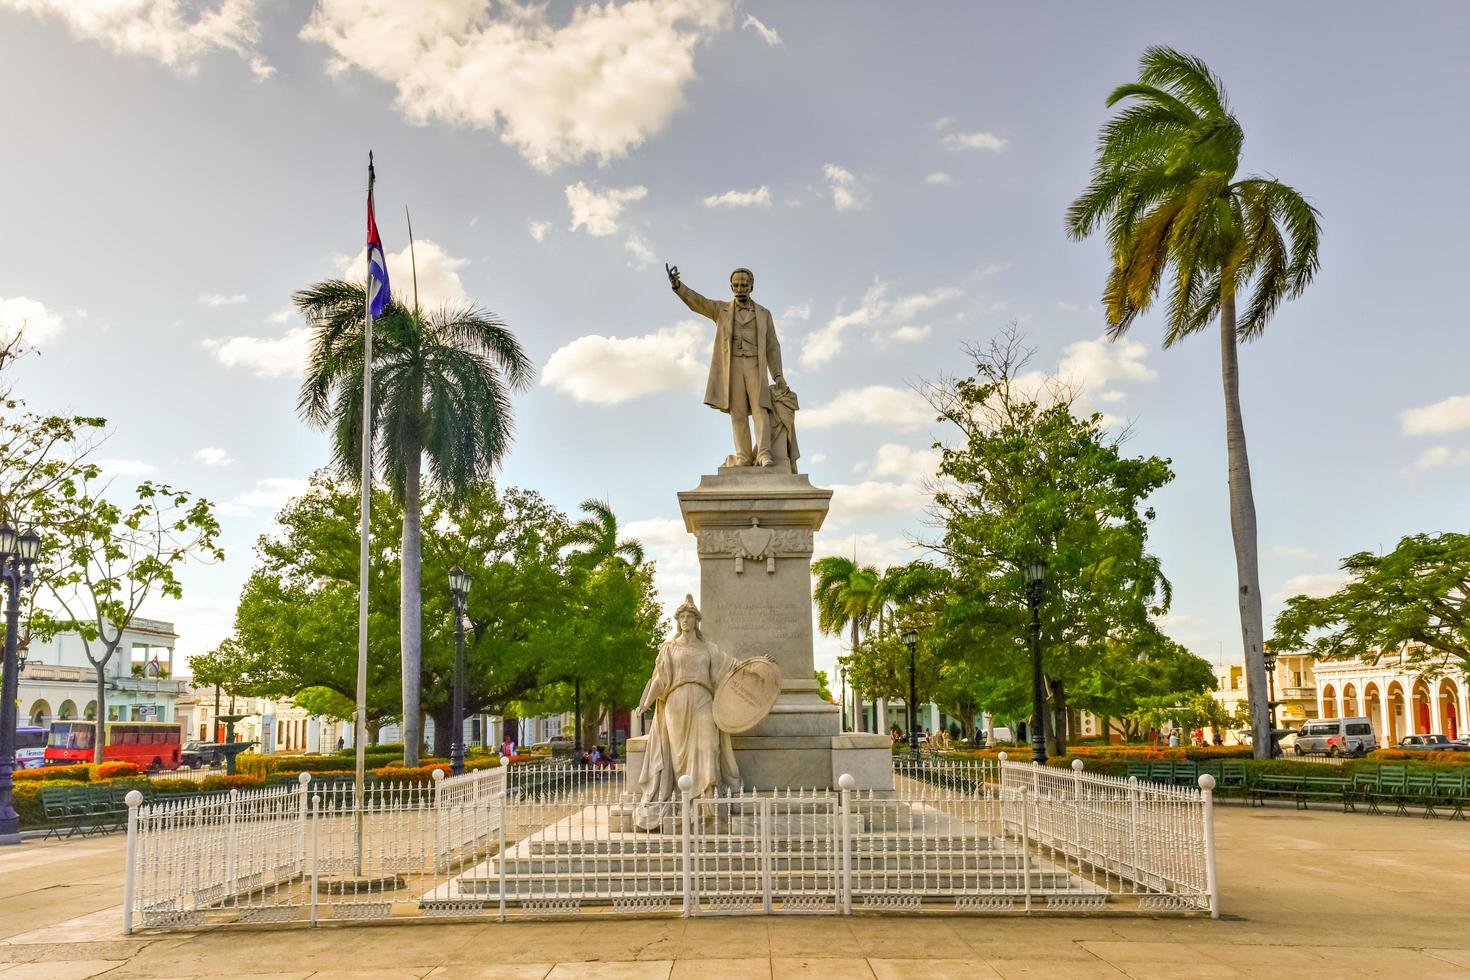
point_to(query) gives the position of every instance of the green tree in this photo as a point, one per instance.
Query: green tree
(441, 393)
(1415, 600)
(1149, 668)
(105, 560)
(597, 536)
(1165, 189)
(843, 594)
(1026, 480)
(823, 691)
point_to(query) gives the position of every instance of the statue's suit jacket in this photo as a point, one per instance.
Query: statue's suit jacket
(768, 348)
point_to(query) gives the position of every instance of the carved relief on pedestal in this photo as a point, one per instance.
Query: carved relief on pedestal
(755, 543)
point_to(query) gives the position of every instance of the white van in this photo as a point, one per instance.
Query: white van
(1336, 736)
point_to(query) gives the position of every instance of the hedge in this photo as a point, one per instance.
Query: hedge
(77, 774)
(1431, 757)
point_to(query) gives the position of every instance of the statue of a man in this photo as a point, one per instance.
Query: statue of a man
(746, 358)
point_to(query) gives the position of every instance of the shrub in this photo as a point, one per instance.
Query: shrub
(210, 784)
(115, 770)
(1435, 757)
(55, 774)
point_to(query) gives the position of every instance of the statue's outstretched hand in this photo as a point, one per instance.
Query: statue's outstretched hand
(673, 272)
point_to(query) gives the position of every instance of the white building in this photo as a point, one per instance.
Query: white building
(58, 682)
(1401, 700)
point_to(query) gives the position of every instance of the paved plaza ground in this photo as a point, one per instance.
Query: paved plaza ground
(1310, 895)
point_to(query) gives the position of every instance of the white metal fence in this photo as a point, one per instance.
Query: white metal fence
(542, 839)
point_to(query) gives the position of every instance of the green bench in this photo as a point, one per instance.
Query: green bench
(84, 809)
(1302, 789)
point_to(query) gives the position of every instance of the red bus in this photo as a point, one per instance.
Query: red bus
(147, 744)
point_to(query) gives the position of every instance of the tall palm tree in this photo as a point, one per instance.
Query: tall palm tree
(597, 536)
(441, 392)
(1166, 193)
(844, 597)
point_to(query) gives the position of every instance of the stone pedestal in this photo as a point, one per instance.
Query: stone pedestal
(754, 529)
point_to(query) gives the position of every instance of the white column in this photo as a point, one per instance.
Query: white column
(1321, 702)
(1434, 724)
(882, 716)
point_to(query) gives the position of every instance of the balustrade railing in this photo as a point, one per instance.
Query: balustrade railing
(559, 839)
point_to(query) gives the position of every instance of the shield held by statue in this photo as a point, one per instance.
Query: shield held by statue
(747, 695)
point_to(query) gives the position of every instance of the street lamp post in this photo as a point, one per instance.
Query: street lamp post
(459, 588)
(911, 640)
(1035, 583)
(1269, 658)
(18, 554)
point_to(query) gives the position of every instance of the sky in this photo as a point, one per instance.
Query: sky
(895, 175)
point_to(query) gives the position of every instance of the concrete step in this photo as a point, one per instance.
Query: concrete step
(673, 864)
(653, 843)
(938, 883)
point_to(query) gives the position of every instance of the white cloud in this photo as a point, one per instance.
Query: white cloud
(174, 33)
(768, 34)
(875, 310)
(1294, 551)
(1450, 415)
(438, 273)
(264, 357)
(975, 141)
(1092, 365)
(611, 370)
(911, 334)
(282, 315)
(896, 459)
(1317, 585)
(270, 493)
(672, 550)
(873, 498)
(1437, 457)
(596, 83)
(201, 621)
(39, 323)
(938, 178)
(843, 186)
(760, 197)
(801, 311)
(213, 456)
(642, 255)
(538, 229)
(870, 548)
(598, 212)
(899, 408)
(220, 299)
(126, 467)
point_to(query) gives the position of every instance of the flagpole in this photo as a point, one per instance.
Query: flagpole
(360, 771)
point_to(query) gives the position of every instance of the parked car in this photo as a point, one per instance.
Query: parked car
(1430, 743)
(556, 745)
(202, 755)
(1336, 736)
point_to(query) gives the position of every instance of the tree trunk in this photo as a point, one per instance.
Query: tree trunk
(1057, 719)
(410, 604)
(859, 719)
(1243, 531)
(101, 732)
(443, 731)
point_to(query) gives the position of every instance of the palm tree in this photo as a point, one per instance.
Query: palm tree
(597, 535)
(1164, 189)
(441, 392)
(844, 598)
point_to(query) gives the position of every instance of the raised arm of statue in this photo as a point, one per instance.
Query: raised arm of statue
(696, 302)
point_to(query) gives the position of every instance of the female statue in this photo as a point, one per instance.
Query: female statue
(684, 738)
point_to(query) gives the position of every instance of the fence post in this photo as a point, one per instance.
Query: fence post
(763, 809)
(686, 787)
(504, 814)
(316, 805)
(1133, 828)
(1000, 772)
(845, 783)
(130, 875)
(302, 779)
(1025, 847)
(230, 845)
(441, 833)
(1207, 799)
(1077, 808)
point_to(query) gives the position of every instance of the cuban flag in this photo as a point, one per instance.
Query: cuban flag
(378, 294)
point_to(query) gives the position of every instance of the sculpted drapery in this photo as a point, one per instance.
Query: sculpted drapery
(684, 738)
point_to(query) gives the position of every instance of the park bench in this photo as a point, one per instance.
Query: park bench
(55, 807)
(1232, 774)
(1138, 770)
(1273, 785)
(1338, 788)
(1454, 792)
